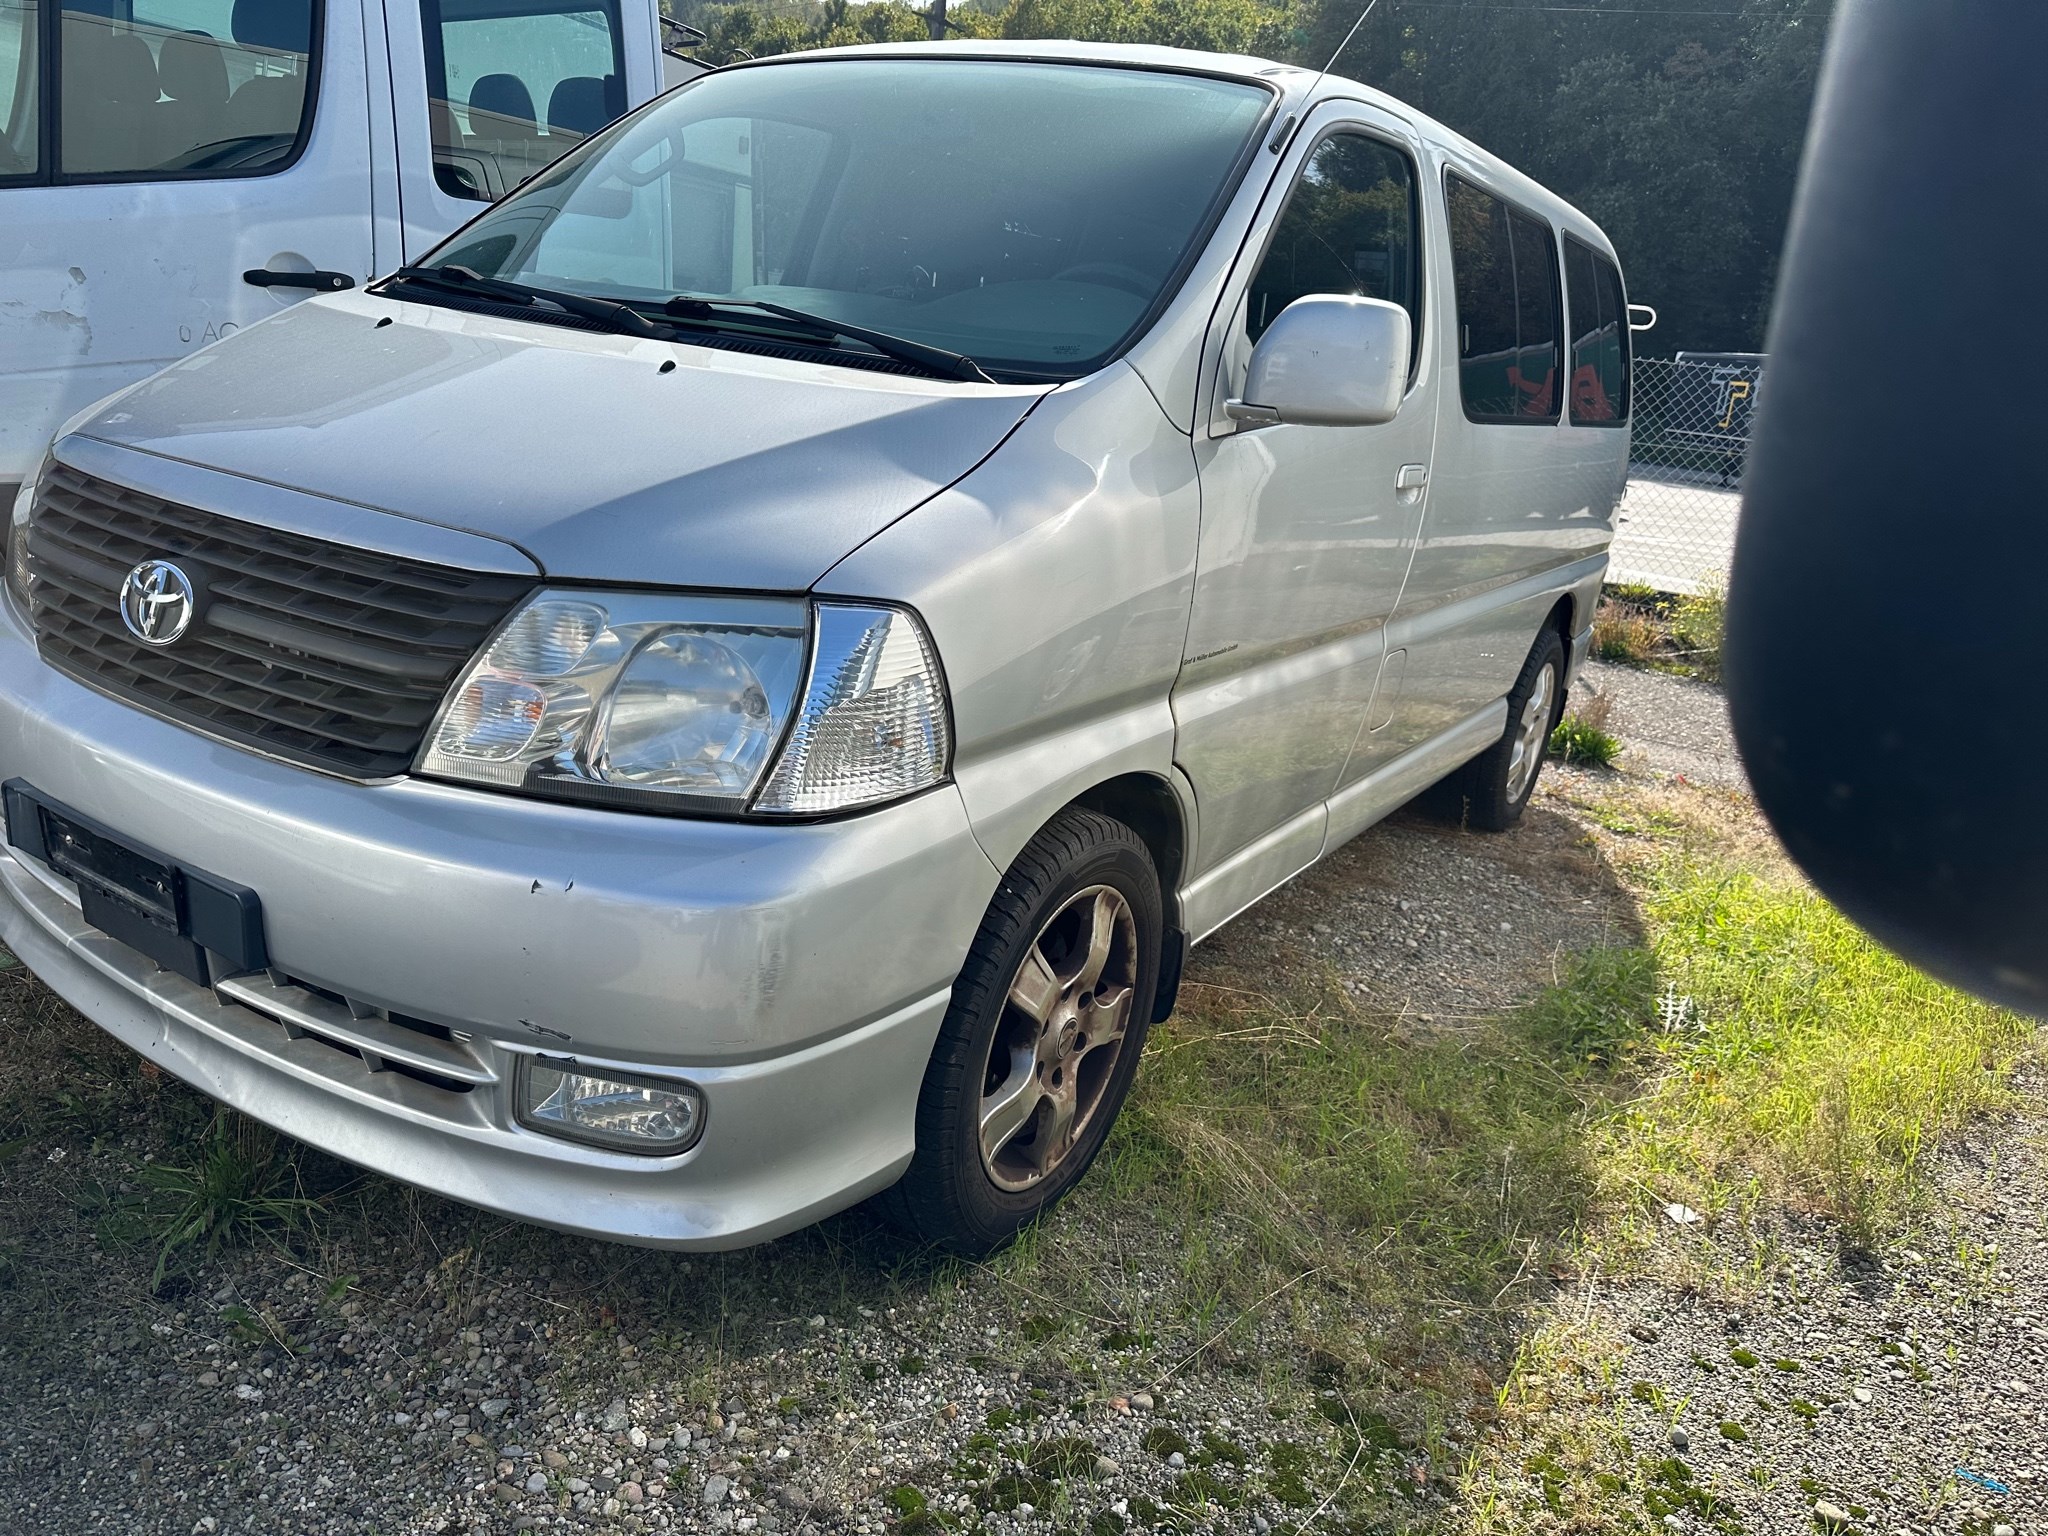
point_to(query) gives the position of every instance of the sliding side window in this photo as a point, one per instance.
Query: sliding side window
(1599, 337)
(512, 84)
(1504, 267)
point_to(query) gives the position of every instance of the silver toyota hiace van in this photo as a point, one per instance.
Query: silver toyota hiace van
(731, 685)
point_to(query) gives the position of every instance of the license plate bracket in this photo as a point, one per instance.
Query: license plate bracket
(163, 908)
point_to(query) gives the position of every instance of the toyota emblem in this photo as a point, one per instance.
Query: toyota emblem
(157, 602)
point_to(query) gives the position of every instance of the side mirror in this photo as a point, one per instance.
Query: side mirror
(1328, 360)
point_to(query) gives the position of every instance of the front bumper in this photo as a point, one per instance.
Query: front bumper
(796, 974)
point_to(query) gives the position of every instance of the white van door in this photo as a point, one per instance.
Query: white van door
(1307, 531)
(486, 92)
(170, 170)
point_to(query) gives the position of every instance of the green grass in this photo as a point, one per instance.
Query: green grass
(1577, 740)
(1640, 627)
(1387, 1193)
(1799, 1052)
(241, 1184)
(1696, 626)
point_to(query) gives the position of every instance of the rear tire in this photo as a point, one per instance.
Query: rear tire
(1038, 1050)
(1491, 792)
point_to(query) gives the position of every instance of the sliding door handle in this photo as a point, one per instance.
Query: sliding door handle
(320, 282)
(1412, 477)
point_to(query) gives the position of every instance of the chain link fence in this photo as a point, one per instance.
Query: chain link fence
(1676, 530)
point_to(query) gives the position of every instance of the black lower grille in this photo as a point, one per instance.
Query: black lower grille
(320, 653)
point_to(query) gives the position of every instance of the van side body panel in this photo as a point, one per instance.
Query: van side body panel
(1056, 581)
(1519, 514)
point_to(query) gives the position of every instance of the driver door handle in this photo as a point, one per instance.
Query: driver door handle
(323, 282)
(1412, 477)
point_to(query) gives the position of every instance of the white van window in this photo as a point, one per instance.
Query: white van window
(1030, 215)
(1350, 227)
(20, 143)
(179, 88)
(1504, 267)
(511, 84)
(1599, 337)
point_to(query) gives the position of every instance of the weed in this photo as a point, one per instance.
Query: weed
(1195, 1488)
(1697, 624)
(235, 1189)
(1624, 632)
(1163, 1442)
(1748, 1359)
(1580, 739)
(1289, 1482)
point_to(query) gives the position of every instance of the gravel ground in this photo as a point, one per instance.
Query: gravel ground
(1425, 920)
(1670, 725)
(1907, 1393)
(445, 1373)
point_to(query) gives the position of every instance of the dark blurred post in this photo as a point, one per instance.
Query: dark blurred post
(1886, 663)
(937, 18)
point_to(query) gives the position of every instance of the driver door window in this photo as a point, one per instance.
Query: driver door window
(1349, 227)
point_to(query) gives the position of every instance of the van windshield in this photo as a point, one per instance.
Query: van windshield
(1027, 215)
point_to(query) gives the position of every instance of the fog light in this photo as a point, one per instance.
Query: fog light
(631, 1114)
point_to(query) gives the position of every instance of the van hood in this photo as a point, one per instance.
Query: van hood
(729, 470)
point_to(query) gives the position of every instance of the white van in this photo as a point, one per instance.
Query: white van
(730, 685)
(172, 170)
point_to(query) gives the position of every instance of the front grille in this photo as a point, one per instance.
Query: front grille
(319, 653)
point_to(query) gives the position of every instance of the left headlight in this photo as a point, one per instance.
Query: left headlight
(683, 704)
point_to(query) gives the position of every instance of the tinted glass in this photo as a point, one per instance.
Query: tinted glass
(20, 151)
(1349, 228)
(1026, 214)
(511, 84)
(1539, 317)
(1483, 271)
(183, 87)
(1600, 337)
(1504, 267)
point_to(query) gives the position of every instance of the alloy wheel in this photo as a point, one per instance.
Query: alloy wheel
(1530, 732)
(1062, 1030)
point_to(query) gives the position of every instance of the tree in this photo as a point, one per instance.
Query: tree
(1675, 126)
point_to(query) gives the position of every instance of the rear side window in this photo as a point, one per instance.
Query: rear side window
(181, 88)
(511, 84)
(1599, 386)
(20, 136)
(1350, 227)
(1504, 267)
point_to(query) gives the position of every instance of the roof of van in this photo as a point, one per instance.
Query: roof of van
(1285, 77)
(1291, 81)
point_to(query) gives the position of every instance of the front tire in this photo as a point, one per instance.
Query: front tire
(1038, 1050)
(1491, 792)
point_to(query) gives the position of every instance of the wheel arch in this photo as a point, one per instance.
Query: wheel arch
(1148, 805)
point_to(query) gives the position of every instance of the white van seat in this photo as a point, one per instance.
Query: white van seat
(501, 107)
(193, 73)
(105, 128)
(274, 26)
(582, 104)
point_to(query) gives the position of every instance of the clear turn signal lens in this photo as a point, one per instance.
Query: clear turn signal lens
(873, 725)
(631, 1114)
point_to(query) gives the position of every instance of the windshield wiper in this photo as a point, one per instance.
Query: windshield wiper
(947, 365)
(454, 279)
